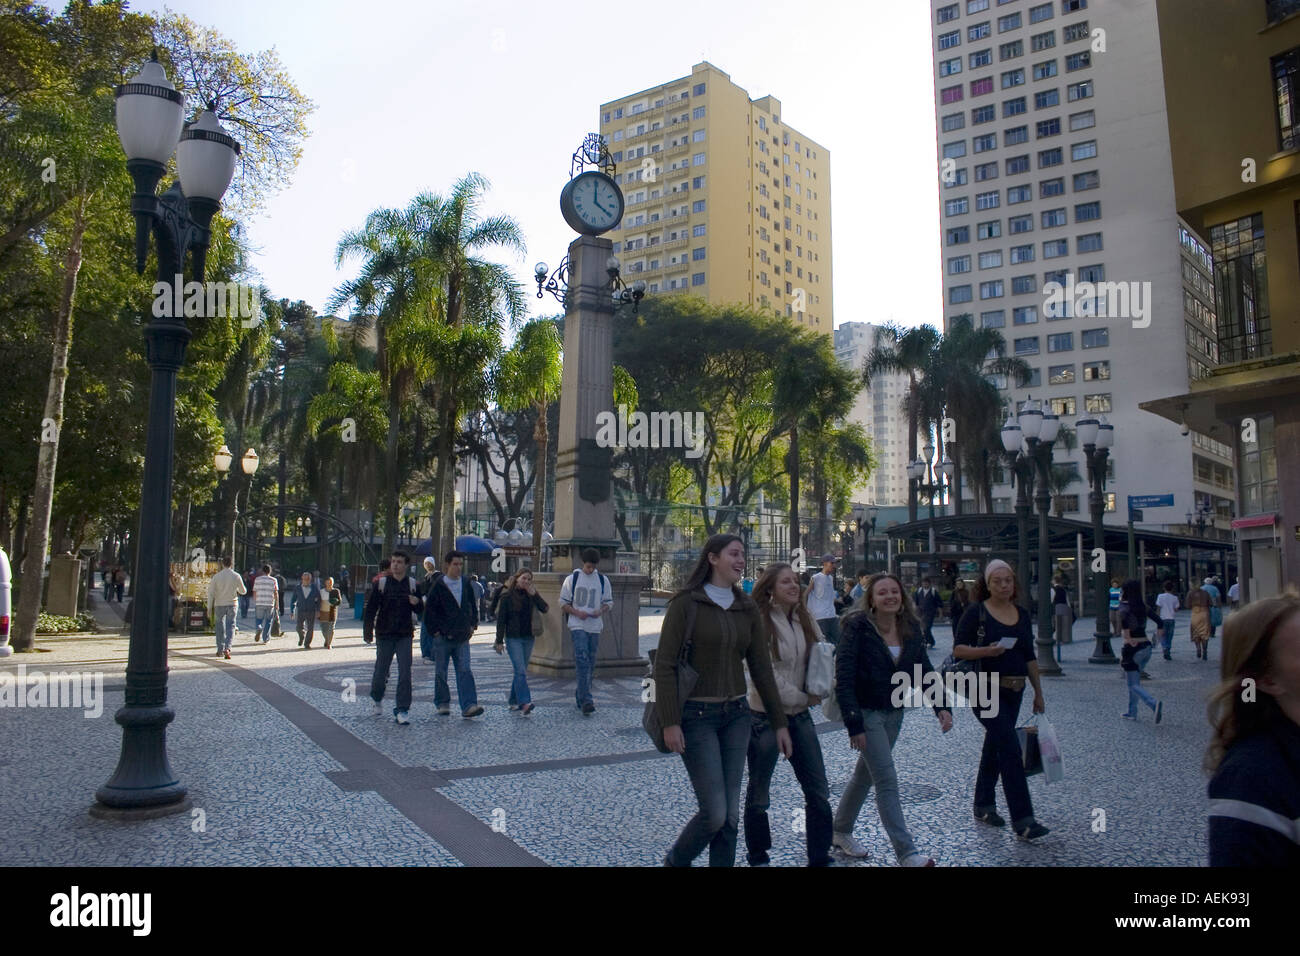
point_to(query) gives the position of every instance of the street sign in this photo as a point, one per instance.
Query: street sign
(1150, 501)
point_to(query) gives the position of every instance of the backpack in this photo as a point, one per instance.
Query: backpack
(573, 583)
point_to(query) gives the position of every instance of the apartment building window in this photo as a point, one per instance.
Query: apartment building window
(1044, 70)
(697, 231)
(1064, 407)
(1040, 13)
(996, 319)
(1073, 6)
(1096, 371)
(986, 171)
(983, 114)
(697, 159)
(976, 6)
(978, 32)
(1019, 194)
(1051, 187)
(1023, 285)
(1025, 315)
(986, 200)
(991, 290)
(956, 207)
(991, 260)
(1079, 91)
(1060, 375)
(958, 294)
(1010, 22)
(1018, 224)
(1056, 248)
(697, 182)
(1017, 165)
(1051, 127)
(1035, 379)
(953, 121)
(1094, 338)
(1061, 342)
(1013, 78)
(1088, 242)
(1087, 211)
(1098, 404)
(697, 136)
(1026, 346)
(950, 94)
(949, 67)
(950, 12)
(1286, 94)
(980, 58)
(989, 230)
(958, 179)
(984, 143)
(1009, 51)
(1085, 150)
(1259, 479)
(697, 278)
(1043, 41)
(618, 112)
(1047, 99)
(1075, 32)
(1089, 180)
(1021, 254)
(1050, 157)
(1078, 61)
(1015, 136)
(957, 235)
(1052, 218)
(958, 264)
(1241, 289)
(1013, 107)
(697, 206)
(697, 90)
(698, 112)
(981, 87)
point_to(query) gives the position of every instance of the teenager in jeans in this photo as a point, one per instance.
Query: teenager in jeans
(791, 634)
(711, 730)
(878, 642)
(820, 596)
(1168, 604)
(996, 612)
(515, 633)
(1133, 613)
(451, 613)
(586, 596)
(387, 618)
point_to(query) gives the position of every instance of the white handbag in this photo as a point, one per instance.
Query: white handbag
(820, 679)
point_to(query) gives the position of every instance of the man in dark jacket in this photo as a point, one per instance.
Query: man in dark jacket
(927, 601)
(389, 606)
(451, 615)
(305, 608)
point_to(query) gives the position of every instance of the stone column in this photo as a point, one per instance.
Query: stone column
(584, 506)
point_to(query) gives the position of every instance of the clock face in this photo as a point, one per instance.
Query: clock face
(592, 203)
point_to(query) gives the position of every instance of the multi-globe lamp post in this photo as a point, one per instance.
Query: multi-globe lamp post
(1030, 436)
(248, 465)
(150, 125)
(1097, 436)
(924, 473)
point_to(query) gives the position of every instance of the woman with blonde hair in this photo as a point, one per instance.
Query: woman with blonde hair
(1198, 599)
(879, 639)
(791, 633)
(519, 598)
(1254, 754)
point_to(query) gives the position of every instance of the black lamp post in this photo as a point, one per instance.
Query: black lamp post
(1200, 519)
(869, 531)
(248, 464)
(149, 124)
(1097, 438)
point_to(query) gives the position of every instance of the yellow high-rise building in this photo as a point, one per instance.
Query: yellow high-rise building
(723, 199)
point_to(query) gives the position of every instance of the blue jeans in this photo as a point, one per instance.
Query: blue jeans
(243, 605)
(717, 739)
(809, 769)
(830, 628)
(264, 614)
(520, 650)
(1134, 679)
(224, 619)
(584, 662)
(876, 766)
(1002, 757)
(386, 648)
(1167, 634)
(457, 652)
(426, 641)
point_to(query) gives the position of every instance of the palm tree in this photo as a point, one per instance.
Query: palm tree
(1061, 477)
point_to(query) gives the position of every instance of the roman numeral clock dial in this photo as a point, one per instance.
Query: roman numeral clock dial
(592, 203)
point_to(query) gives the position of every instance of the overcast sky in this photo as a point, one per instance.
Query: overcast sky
(412, 95)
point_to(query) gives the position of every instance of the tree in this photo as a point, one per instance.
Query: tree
(1059, 480)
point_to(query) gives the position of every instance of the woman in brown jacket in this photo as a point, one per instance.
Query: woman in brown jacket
(1198, 599)
(328, 615)
(711, 728)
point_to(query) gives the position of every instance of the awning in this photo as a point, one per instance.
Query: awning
(1255, 521)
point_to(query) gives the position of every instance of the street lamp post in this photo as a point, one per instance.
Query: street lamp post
(1097, 438)
(149, 118)
(1013, 443)
(872, 514)
(1040, 454)
(248, 464)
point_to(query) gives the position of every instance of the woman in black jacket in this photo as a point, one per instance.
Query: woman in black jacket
(1133, 614)
(515, 633)
(879, 652)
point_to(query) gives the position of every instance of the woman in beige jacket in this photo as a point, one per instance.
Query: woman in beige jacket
(792, 632)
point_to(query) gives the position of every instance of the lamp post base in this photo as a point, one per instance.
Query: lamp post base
(127, 815)
(143, 781)
(1102, 654)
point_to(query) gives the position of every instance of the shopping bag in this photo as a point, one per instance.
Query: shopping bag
(1030, 749)
(1049, 746)
(275, 624)
(820, 679)
(831, 707)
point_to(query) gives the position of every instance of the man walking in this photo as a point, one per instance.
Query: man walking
(281, 586)
(426, 639)
(223, 590)
(820, 598)
(586, 596)
(451, 614)
(306, 602)
(1234, 594)
(387, 617)
(927, 603)
(1168, 604)
(266, 597)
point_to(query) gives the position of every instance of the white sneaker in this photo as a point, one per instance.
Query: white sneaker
(916, 859)
(376, 708)
(845, 843)
(401, 717)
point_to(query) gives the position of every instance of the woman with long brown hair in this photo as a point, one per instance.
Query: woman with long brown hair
(1254, 755)
(519, 598)
(721, 626)
(881, 638)
(1198, 599)
(996, 616)
(791, 633)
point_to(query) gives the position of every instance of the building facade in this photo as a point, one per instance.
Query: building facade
(723, 198)
(1059, 229)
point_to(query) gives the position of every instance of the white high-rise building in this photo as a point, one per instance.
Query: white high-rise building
(878, 409)
(1055, 171)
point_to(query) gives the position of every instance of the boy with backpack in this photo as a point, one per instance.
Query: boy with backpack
(389, 606)
(586, 596)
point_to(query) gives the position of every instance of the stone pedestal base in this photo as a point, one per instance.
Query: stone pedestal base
(619, 651)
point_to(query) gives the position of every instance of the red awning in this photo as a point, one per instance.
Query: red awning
(1258, 521)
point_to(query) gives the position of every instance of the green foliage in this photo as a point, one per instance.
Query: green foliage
(57, 624)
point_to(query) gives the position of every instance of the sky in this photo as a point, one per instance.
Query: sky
(413, 95)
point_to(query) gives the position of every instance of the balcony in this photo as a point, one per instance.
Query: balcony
(673, 243)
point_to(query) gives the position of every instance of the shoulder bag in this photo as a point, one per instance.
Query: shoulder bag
(954, 665)
(687, 677)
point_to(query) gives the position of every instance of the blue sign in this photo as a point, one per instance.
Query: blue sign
(1150, 501)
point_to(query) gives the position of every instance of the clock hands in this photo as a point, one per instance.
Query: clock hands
(594, 190)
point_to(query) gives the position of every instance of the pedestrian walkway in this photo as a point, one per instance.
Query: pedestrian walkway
(286, 766)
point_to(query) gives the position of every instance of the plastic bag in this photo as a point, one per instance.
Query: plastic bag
(820, 679)
(831, 707)
(1050, 747)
